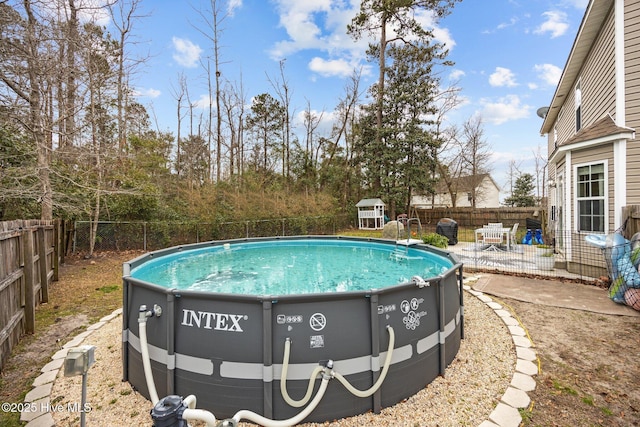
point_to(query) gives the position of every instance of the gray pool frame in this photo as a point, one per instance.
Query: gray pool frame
(227, 349)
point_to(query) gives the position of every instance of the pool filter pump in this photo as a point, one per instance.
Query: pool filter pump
(168, 412)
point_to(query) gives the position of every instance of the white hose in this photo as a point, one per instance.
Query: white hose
(207, 417)
(190, 401)
(378, 383)
(283, 379)
(146, 362)
(266, 422)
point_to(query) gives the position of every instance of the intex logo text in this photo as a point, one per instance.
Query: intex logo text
(215, 321)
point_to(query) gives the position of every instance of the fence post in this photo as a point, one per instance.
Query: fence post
(29, 299)
(75, 235)
(57, 245)
(144, 236)
(42, 258)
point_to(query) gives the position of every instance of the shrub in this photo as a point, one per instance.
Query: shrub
(437, 240)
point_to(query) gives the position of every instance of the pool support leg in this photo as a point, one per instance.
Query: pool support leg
(171, 343)
(375, 351)
(267, 357)
(441, 322)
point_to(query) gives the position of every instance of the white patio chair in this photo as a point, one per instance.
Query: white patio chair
(514, 242)
(495, 225)
(492, 237)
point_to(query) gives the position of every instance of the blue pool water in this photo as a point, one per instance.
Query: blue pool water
(280, 267)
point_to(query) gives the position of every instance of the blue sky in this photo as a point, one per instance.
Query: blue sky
(508, 56)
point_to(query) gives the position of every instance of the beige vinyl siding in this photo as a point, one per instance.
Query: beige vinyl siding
(596, 154)
(597, 83)
(632, 101)
(597, 78)
(566, 123)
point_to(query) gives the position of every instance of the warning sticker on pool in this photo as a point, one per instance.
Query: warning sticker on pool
(316, 341)
(409, 308)
(317, 321)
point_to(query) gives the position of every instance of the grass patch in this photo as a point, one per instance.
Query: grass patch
(606, 411)
(588, 400)
(109, 289)
(564, 389)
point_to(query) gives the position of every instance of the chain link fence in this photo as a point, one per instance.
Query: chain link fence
(150, 236)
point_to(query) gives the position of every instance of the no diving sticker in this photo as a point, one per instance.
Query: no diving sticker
(317, 321)
(316, 341)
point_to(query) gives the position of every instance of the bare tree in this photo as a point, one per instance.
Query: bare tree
(178, 95)
(124, 14)
(214, 19)
(541, 162)
(513, 173)
(447, 162)
(233, 102)
(311, 123)
(475, 155)
(37, 117)
(283, 91)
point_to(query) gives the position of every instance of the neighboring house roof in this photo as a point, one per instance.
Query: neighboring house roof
(369, 203)
(591, 25)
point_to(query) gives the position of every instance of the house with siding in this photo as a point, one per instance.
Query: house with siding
(463, 190)
(594, 160)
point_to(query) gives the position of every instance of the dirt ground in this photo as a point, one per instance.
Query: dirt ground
(590, 363)
(590, 367)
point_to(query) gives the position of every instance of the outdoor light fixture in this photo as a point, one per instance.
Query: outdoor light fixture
(551, 183)
(77, 362)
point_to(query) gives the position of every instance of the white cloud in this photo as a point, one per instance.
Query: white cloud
(232, 5)
(440, 34)
(555, 23)
(186, 52)
(298, 20)
(203, 102)
(548, 73)
(327, 120)
(456, 75)
(502, 77)
(331, 67)
(321, 25)
(147, 92)
(511, 23)
(504, 109)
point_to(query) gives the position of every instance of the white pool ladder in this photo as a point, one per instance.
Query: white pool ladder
(408, 241)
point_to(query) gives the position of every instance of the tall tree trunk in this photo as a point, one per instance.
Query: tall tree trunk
(36, 116)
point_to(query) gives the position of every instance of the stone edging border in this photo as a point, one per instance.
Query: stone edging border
(505, 414)
(39, 397)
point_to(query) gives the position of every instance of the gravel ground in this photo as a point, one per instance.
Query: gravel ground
(471, 388)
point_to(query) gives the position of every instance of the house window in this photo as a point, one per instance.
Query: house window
(591, 197)
(578, 104)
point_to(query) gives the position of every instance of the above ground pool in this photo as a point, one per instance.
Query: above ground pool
(245, 324)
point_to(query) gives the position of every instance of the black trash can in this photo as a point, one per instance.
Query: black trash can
(448, 228)
(533, 224)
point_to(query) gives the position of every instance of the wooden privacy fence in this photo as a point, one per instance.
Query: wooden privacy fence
(474, 218)
(29, 261)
